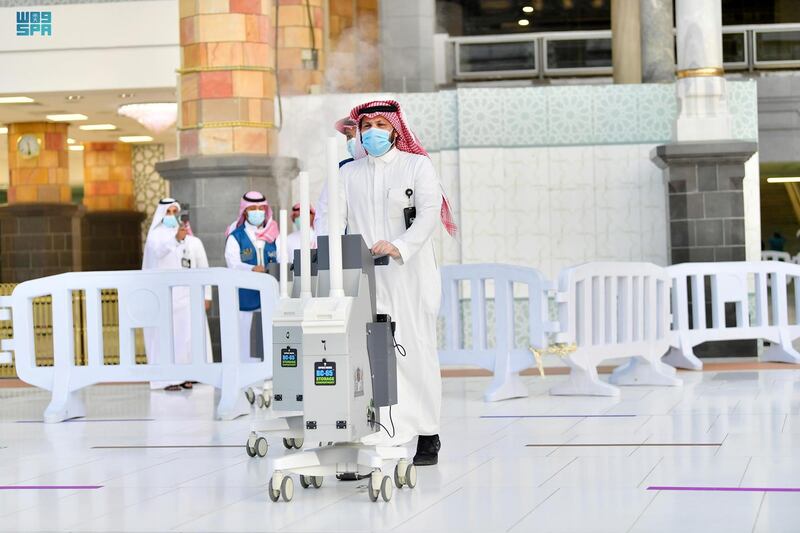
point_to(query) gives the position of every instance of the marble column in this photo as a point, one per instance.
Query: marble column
(626, 54)
(406, 49)
(227, 135)
(353, 57)
(702, 95)
(300, 46)
(40, 226)
(658, 41)
(111, 226)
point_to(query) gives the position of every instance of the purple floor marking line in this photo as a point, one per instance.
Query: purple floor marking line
(125, 447)
(625, 445)
(727, 489)
(558, 416)
(50, 487)
(91, 420)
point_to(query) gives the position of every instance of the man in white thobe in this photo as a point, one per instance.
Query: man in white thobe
(294, 239)
(165, 248)
(376, 191)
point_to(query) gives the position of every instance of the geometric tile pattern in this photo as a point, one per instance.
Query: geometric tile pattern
(149, 187)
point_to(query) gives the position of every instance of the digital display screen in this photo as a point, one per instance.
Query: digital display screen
(288, 358)
(324, 373)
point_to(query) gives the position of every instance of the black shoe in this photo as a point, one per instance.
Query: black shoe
(428, 447)
(351, 476)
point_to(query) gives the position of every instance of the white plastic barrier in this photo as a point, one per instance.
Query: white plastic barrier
(771, 255)
(728, 283)
(145, 301)
(505, 359)
(611, 310)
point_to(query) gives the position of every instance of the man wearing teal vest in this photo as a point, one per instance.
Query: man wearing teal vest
(251, 245)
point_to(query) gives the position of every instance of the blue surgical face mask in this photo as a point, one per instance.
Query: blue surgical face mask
(256, 217)
(296, 223)
(351, 147)
(376, 141)
(170, 221)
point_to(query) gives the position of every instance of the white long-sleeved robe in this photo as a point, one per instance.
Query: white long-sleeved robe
(373, 196)
(165, 252)
(195, 252)
(233, 260)
(293, 242)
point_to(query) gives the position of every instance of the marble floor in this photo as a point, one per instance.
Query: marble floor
(145, 461)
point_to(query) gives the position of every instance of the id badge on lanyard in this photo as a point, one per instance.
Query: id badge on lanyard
(410, 212)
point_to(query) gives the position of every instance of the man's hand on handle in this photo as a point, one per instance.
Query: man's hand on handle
(385, 248)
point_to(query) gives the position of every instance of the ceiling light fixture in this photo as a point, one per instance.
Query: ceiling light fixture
(136, 138)
(523, 22)
(793, 179)
(126, 95)
(70, 141)
(3, 130)
(527, 9)
(98, 127)
(15, 100)
(67, 118)
(74, 98)
(156, 117)
(76, 148)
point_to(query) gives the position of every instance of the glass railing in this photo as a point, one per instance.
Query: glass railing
(776, 46)
(496, 56)
(588, 53)
(579, 53)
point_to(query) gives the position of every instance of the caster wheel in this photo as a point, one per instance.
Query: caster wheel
(267, 399)
(250, 448)
(399, 477)
(386, 488)
(372, 491)
(304, 481)
(298, 443)
(288, 443)
(260, 401)
(411, 476)
(316, 481)
(250, 395)
(261, 447)
(274, 495)
(287, 489)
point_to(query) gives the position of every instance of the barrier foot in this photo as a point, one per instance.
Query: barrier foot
(511, 386)
(231, 406)
(677, 358)
(584, 382)
(65, 408)
(782, 352)
(639, 371)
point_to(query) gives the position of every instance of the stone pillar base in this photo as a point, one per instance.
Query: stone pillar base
(111, 240)
(38, 240)
(212, 186)
(706, 213)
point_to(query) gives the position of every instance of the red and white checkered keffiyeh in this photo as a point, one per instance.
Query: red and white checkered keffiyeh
(406, 142)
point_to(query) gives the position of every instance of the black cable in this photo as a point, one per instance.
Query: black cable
(391, 435)
(399, 347)
(311, 29)
(275, 67)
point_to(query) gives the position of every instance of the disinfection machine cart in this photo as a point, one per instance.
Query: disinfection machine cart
(349, 371)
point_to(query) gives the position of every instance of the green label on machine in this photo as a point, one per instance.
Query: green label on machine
(288, 358)
(324, 373)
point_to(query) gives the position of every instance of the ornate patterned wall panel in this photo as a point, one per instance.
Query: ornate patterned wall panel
(148, 186)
